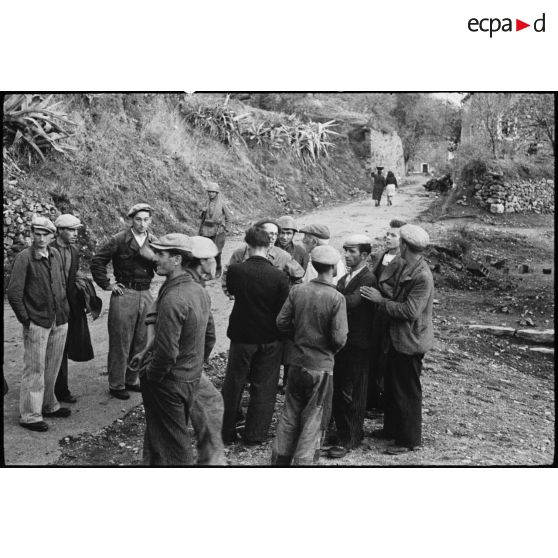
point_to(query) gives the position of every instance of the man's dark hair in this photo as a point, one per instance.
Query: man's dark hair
(256, 238)
(396, 223)
(365, 248)
(187, 260)
(321, 267)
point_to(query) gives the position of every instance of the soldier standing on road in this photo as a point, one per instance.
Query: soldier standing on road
(285, 240)
(171, 378)
(379, 186)
(67, 226)
(133, 262)
(215, 221)
(410, 336)
(206, 412)
(315, 316)
(37, 295)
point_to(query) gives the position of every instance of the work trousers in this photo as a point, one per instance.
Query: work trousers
(350, 380)
(259, 365)
(403, 398)
(299, 431)
(206, 415)
(43, 350)
(167, 407)
(127, 334)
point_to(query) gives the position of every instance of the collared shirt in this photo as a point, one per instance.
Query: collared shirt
(351, 275)
(37, 288)
(311, 272)
(140, 238)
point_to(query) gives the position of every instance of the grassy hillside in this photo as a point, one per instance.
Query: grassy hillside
(137, 147)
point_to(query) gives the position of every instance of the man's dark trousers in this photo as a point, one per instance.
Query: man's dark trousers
(167, 408)
(259, 365)
(350, 382)
(403, 398)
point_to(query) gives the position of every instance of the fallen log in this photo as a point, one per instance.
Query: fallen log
(545, 336)
(501, 331)
(542, 350)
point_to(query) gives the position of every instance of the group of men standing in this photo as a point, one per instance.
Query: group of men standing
(350, 337)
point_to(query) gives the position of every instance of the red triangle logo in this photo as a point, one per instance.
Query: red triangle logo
(519, 25)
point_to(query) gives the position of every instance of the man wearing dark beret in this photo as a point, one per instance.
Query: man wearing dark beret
(410, 336)
(133, 263)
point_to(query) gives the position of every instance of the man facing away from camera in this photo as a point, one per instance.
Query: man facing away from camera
(315, 316)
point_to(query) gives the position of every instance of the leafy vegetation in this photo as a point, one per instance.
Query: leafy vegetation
(32, 126)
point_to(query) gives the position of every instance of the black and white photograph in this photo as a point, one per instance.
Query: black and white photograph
(278, 279)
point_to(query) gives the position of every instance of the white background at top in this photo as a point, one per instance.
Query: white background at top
(288, 45)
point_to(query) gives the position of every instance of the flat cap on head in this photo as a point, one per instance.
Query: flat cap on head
(287, 222)
(43, 224)
(202, 247)
(173, 241)
(326, 254)
(140, 207)
(212, 187)
(262, 222)
(67, 221)
(356, 239)
(320, 231)
(415, 236)
(380, 168)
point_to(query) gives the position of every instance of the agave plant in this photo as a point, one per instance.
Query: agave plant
(32, 125)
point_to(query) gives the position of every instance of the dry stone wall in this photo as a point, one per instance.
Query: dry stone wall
(501, 196)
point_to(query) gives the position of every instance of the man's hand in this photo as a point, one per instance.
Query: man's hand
(137, 360)
(146, 252)
(116, 288)
(371, 294)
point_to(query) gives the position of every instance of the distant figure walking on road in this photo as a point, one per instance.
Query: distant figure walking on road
(379, 186)
(215, 220)
(391, 185)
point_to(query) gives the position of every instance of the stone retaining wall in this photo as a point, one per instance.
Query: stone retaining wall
(501, 196)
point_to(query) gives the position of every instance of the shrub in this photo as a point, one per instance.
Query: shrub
(32, 126)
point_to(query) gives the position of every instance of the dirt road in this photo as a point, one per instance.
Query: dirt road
(88, 381)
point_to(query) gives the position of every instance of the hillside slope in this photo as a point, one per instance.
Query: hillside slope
(136, 147)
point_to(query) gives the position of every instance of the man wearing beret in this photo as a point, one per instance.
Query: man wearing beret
(318, 235)
(352, 362)
(410, 336)
(315, 317)
(279, 258)
(171, 378)
(133, 264)
(37, 295)
(285, 240)
(67, 226)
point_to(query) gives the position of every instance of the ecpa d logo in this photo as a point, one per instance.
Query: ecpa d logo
(492, 25)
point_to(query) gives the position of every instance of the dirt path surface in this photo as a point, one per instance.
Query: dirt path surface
(487, 401)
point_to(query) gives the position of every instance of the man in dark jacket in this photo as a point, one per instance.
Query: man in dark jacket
(379, 186)
(259, 290)
(67, 226)
(170, 382)
(411, 334)
(285, 240)
(352, 363)
(37, 295)
(133, 264)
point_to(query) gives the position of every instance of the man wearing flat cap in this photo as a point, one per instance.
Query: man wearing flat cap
(67, 226)
(278, 257)
(206, 411)
(285, 240)
(410, 335)
(315, 317)
(318, 235)
(133, 263)
(37, 295)
(171, 378)
(352, 362)
(215, 220)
